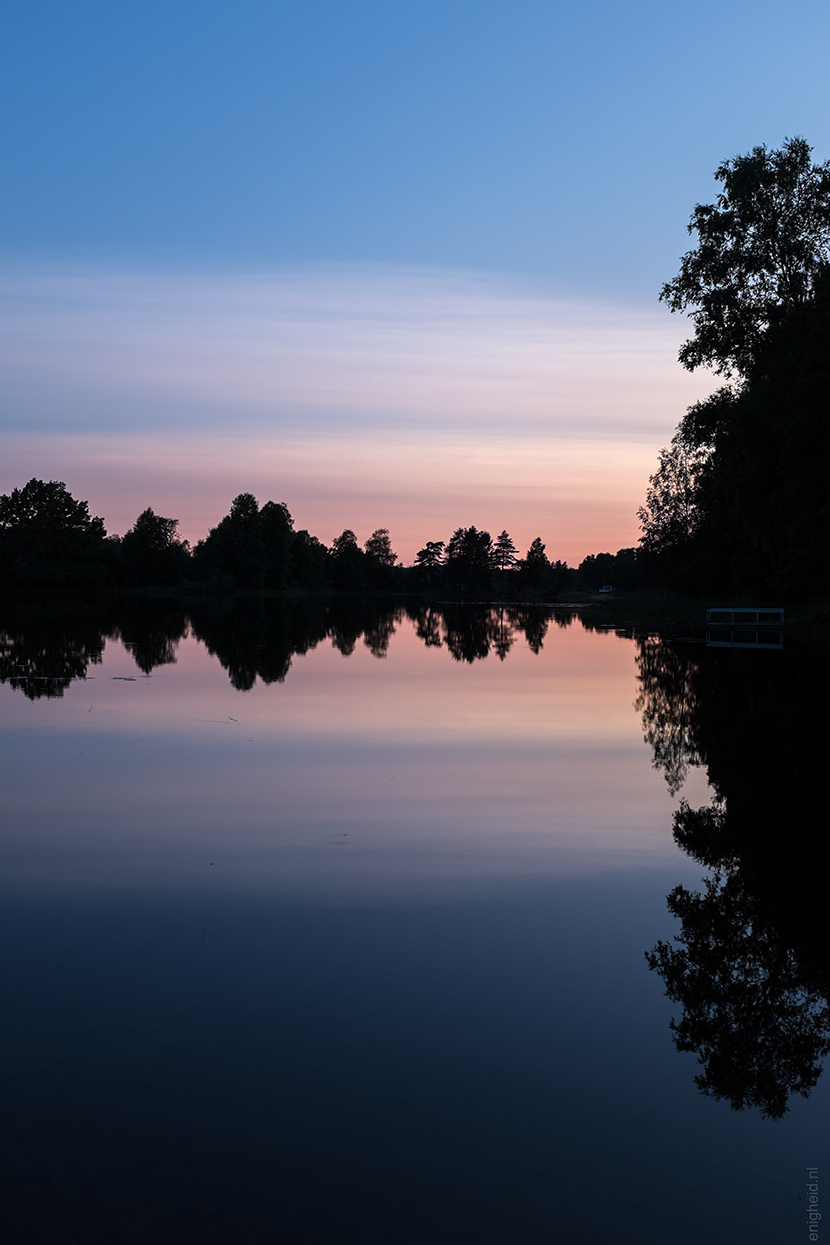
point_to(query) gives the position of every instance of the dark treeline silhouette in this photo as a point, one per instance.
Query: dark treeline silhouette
(738, 503)
(48, 539)
(43, 651)
(749, 965)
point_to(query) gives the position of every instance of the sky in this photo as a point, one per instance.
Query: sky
(394, 264)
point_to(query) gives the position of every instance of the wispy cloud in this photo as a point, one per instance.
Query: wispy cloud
(341, 385)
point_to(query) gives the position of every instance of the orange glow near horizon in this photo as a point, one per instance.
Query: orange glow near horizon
(416, 401)
(579, 498)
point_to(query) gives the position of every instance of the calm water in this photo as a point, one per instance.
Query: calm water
(329, 925)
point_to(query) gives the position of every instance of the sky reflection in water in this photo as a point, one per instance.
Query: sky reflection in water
(413, 773)
(358, 956)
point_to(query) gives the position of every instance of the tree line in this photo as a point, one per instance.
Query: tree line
(49, 539)
(739, 503)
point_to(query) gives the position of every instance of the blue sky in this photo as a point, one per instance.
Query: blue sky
(551, 149)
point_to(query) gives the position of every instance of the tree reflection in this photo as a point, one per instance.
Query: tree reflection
(42, 649)
(471, 633)
(758, 1025)
(667, 703)
(427, 621)
(749, 965)
(151, 631)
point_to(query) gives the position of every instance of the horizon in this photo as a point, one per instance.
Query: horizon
(395, 268)
(362, 397)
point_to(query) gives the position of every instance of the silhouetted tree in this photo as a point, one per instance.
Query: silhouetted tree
(152, 553)
(49, 537)
(379, 548)
(470, 558)
(760, 249)
(348, 561)
(234, 551)
(429, 559)
(622, 570)
(671, 515)
(504, 555)
(310, 562)
(740, 495)
(534, 566)
(277, 533)
(380, 558)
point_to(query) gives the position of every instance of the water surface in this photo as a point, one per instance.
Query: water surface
(327, 924)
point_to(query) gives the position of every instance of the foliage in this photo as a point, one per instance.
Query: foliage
(470, 558)
(379, 548)
(249, 547)
(430, 558)
(504, 553)
(252, 548)
(759, 505)
(380, 559)
(535, 566)
(49, 537)
(348, 561)
(277, 531)
(234, 551)
(739, 502)
(671, 514)
(152, 553)
(309, 561)
(620, 570)
(760, 248)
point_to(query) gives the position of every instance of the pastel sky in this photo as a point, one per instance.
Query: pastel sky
(394, 264)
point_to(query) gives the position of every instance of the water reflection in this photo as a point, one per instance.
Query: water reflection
(749, 966)
(44, 645)
(295, 947)
(42, 649)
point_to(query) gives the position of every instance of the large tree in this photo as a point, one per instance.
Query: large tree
(430, 557)
(47, 536)
(535, 566)
(761, 247)
(671, 515)
(348, 561)
(470, 557)
(379, 548)
(738, 502)
(380, 559)
(235, 549)
(152, 551)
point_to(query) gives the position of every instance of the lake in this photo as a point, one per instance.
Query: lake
(328, 923)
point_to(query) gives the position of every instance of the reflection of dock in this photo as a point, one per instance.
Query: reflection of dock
(745, 627)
